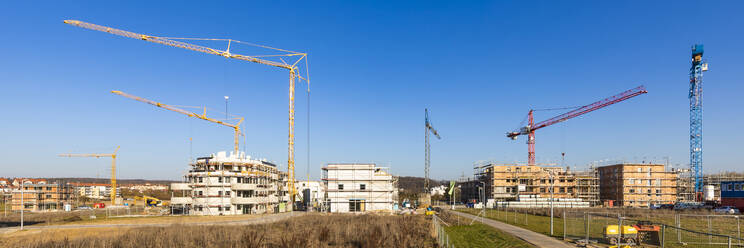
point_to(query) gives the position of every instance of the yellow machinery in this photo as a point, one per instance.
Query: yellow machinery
(113, 168)
(278, 61)
(202, 116)
(612, 235)
(149, 201)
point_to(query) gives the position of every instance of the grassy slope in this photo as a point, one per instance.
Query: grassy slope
(479, 235)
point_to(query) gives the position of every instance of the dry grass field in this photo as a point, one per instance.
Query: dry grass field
(315, 230)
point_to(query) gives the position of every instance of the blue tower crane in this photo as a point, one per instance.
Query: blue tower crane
(696, 116)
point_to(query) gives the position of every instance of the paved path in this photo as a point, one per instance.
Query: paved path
(531, 237)
(258, 220)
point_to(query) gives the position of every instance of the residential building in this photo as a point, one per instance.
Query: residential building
(146, 187)
(637, 185)
(96, 191)
(358, 188)
(505, 182)
(41, 197)
(438, 190)
(228, 185)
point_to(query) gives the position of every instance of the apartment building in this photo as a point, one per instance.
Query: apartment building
(358, 188)
(96, 191)
(637, 185)
(41, 197)
(508, 182)
(223, 184)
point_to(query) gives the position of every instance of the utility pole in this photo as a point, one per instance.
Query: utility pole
(23, 204)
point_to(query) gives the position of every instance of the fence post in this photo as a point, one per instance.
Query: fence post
(619, 229)
(729, 241)
(587, 219)
(564, 224)
(710, 230)
(663, 231)
(738, 230)
(679, 225)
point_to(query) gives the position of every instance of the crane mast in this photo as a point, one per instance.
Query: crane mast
(260, 59)
(531, 127)
(427, 149)
(696, 116)
(113, 167)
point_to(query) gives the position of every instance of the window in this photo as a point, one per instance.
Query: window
(658, 182)
(632, 190)
(728, 187)
(542, 190)
(200, 179)
(563, 180)
(240, 181)
(340, 187)
(631, 181)
(570, 190)
(562, 190)
(362, 186)
(219, 179)
(219, 193)
(648, 191)
(48, 196)
(356, 205)
(227, 193)
(508, 189)
(649, 182)
(640, 169)
(227, 208)
(49, 188)
(219, 208)
(542, 181)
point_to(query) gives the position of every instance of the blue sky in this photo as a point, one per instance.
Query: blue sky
(375, 66)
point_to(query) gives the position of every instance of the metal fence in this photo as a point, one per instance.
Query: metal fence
(443, 239)
(587, 226)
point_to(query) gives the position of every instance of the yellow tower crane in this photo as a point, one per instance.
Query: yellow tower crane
(113, 167)
(261, 59)
(202, 116)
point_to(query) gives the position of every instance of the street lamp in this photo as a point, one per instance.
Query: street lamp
(226, 97)
(552, 182)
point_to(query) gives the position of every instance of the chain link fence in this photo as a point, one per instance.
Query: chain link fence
(442, 238)
(650, 228)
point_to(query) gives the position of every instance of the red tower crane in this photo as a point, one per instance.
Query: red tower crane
(530, 129)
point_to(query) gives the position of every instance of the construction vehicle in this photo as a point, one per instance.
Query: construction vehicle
(149, 201)
(648, 233)
(429, 211)
(614, 237)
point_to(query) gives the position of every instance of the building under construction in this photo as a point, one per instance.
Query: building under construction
(508, 182)
(228, 185)
(637, 185)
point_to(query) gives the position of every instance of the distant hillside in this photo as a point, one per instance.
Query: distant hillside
(106, 180)
(416, 184)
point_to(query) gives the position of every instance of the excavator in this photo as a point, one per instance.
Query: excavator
(149, 201)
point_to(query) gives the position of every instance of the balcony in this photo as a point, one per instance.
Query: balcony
(180, 186)
(243, 186)
(248, 200)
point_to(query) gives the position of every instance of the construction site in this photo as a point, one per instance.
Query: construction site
(248, 175)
